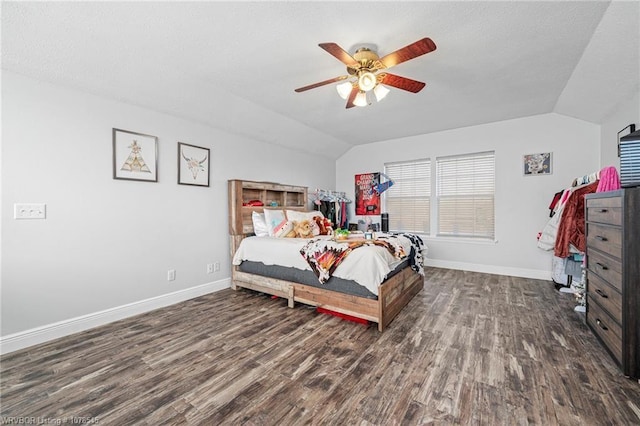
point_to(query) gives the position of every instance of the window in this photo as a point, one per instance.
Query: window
(465, 195)
(408, 200)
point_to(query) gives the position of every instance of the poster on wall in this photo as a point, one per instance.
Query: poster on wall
(367, 198)
(537, 164)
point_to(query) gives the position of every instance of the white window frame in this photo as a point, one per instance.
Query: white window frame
(400, 190)
(476, 191)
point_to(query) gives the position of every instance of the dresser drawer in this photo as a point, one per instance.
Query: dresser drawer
(606, 267)
(607, 239)
(606, 296)
(606, 328)
(605, 210)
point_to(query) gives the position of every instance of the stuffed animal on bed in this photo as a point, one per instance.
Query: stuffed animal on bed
(303, 229)
(324, 225)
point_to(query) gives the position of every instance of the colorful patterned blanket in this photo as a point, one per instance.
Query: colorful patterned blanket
(324, 256)
(417, 258)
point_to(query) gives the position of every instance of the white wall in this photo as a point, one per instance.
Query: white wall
(108, 243)
(521, 201)
(628, 112)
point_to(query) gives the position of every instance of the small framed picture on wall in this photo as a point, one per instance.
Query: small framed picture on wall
(193, 165)
(537, 164)
(135, 156)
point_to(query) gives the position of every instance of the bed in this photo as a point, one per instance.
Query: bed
(275, 266)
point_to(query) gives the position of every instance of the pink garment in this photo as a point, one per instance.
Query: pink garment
(609, 180)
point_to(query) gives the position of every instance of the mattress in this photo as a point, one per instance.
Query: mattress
(307, 277)
(368, 266)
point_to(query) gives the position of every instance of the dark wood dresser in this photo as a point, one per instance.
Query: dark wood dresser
(613, 274)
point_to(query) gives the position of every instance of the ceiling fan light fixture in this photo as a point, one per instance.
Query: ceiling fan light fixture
(367, 81)
(380, 91)
(361, 99)
(362, 68)
(344, 89)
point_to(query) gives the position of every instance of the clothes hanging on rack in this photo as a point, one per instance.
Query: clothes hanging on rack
(343, 218)
(572, 222)
(565, 232)
(586, 179)
(333, 205)
(554, 202)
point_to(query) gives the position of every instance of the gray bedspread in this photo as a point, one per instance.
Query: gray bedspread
(308, 278)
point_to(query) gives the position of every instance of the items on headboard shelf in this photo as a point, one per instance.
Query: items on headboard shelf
(333, 205)
(247, 196)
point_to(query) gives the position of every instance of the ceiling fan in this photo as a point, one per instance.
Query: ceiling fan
(364, 65)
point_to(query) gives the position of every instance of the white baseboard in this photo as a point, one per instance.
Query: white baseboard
(491, 269)
(34, 336)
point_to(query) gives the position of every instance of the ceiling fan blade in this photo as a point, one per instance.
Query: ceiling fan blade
(352, 96)
(341, 54)
(322, 83)
(411, 51)
(403, 83)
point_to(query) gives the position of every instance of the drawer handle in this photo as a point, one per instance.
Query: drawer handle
(603, 210)
(598, 237)
(601, 293)
(604, 267)
(602, 326)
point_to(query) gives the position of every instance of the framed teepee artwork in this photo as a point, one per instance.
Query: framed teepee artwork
(135, 156)
(193, 165)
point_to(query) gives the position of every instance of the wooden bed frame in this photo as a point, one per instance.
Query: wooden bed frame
(393, 294)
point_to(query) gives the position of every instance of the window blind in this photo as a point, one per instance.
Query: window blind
(465, 188)
(408, 200)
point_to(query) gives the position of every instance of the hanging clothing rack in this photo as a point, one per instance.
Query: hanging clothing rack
(331, 196)
(333, 205)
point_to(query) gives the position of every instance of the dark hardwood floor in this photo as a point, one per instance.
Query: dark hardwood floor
(470, 348)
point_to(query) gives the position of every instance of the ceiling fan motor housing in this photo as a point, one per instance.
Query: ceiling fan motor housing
(367, 59)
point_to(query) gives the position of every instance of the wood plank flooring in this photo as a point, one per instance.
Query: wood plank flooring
(470, 348)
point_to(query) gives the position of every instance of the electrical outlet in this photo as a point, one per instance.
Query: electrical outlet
(171, 275)
(209, 268)
(29, 211)
(216, 267)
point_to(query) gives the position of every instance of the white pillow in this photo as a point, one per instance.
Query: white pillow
(273, 218)
(259, 224)
(300, 216)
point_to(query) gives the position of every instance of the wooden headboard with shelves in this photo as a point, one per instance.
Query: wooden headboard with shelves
(272, 195)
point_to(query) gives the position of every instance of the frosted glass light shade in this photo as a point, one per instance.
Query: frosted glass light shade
(361, 99)
(367, 81)
(344, 89)
(380, 91)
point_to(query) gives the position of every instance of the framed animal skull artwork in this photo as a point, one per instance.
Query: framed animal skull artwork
(193, 165)
(537, 164)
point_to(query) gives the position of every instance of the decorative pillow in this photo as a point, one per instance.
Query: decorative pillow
(273, 219)
(285, 230)
(259, 224)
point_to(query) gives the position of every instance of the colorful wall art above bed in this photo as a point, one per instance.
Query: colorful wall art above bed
(367, 198)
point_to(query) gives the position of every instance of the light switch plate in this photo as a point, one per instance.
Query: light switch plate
(29, 211)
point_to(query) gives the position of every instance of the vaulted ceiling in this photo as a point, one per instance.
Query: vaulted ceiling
(235, 65)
